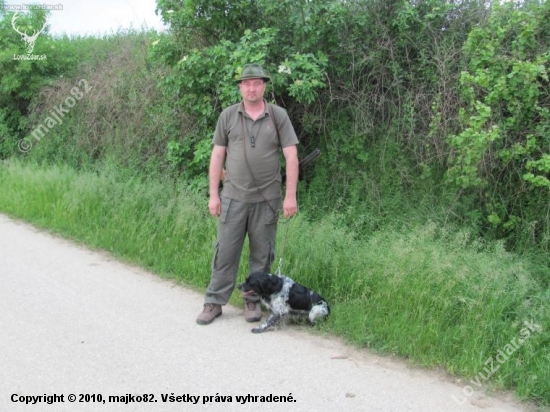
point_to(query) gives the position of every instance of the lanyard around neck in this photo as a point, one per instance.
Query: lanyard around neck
(247, 135)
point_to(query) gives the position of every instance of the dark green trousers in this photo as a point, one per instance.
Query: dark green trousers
(236, 221)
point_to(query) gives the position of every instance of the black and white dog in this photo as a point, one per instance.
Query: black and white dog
(282, 296)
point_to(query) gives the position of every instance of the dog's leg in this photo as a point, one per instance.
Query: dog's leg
(318, 311)
(269, 323)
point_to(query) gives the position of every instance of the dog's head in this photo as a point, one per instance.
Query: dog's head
(260, 283)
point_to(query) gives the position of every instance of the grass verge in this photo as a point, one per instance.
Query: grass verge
(436, 296)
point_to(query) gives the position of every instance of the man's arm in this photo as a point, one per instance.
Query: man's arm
(216, 162)
(290, 205)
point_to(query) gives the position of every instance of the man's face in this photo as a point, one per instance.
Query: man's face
(252, 90)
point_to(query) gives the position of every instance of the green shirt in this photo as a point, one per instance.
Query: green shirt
(252, 168)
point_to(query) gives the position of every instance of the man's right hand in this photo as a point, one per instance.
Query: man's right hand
(215, 206)
(214, 173)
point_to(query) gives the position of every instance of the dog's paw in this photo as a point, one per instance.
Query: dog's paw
(257, 330)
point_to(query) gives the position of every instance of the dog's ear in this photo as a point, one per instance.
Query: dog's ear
(268, 284)
(263, 284)
(274, 279)
(255, 284)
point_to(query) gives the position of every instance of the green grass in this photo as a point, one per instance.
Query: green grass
(434, 295)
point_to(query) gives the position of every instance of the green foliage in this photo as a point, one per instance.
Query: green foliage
(541, 165)
(18, 81)
(22, 80)
(203, 82)
(205, 22)
(473, 141)
(123, 117)
(418, 107)
(503, 146)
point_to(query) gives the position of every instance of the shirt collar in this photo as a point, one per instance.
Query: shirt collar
(241, 108)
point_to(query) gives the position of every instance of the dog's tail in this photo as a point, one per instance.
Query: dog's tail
(319, 311)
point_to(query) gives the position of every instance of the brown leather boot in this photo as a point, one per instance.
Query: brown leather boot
(210, 312)
(252, 311)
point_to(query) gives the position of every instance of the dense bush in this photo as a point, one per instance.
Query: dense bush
(121, 117)
(502, 151)
(25, 84)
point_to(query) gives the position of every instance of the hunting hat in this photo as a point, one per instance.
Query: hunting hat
(253, 71)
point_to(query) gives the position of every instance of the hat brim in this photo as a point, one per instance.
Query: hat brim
(264, 78)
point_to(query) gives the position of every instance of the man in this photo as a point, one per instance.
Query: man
(248, 137)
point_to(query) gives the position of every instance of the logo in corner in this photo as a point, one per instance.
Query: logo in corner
(29, 40)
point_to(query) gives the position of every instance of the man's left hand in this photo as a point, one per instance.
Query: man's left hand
(290, 207)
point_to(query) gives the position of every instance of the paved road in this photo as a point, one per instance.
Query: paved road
(75, 321)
